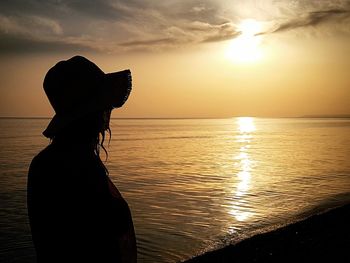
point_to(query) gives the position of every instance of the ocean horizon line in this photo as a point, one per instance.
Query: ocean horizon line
(337, 116)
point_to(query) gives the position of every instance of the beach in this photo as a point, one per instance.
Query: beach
(323, 237)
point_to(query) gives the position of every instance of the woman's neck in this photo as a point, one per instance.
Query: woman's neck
(70, 139)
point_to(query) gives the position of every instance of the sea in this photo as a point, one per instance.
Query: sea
(194, 185)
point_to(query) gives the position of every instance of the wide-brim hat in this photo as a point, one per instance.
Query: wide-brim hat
(77, 87)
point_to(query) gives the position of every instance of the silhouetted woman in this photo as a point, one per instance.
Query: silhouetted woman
(76, 213)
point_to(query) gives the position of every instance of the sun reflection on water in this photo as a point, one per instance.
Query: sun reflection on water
(238, 209)
(246, 124)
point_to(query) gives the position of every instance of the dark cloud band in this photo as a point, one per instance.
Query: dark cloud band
(312, 19)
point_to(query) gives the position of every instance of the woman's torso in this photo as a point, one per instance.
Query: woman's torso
(75, 211)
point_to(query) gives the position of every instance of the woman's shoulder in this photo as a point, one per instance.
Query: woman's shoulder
(41, 158)
(56, 154)
(57, 163)
(47, 158)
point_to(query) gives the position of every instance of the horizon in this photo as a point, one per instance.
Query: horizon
(321, 116)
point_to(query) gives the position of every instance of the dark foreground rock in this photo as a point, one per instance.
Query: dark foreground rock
(320, 238)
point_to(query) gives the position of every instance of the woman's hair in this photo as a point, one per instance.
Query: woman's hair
(91, 128)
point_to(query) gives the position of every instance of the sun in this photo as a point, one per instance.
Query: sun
(246, 47)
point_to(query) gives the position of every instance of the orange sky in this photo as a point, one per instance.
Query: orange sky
(207, 63)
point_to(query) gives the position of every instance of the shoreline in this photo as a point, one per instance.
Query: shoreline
(322, 237)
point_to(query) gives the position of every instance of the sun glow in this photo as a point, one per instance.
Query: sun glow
(246, 47)
(246, 124)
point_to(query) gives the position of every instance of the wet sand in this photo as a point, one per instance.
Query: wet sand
(323, 237)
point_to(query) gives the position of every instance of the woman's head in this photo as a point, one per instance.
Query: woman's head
(77, 90)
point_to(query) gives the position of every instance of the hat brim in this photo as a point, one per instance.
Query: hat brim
(119, 86)
(114, 93)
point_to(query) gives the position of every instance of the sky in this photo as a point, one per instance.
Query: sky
(210, 58)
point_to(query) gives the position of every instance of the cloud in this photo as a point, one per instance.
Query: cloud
(148, 42)
(112, 26)
(37, 34)
(314, 18)
(127, 25)
(98, 24)
(29, 25)
(186, 34)
(18, 45)
(221, 32)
